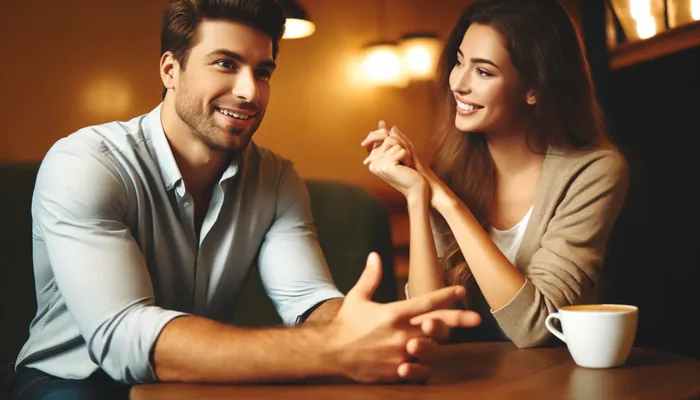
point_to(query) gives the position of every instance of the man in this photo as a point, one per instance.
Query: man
(145, 230)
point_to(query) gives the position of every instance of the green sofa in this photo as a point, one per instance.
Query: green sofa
(350, 223)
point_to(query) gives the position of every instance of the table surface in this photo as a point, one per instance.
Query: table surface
(487, 371)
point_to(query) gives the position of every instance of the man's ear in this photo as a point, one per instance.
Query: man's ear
(169, 70)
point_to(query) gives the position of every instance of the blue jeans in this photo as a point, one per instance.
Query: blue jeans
(32, 384)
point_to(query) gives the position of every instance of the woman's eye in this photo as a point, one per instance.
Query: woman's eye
(483, 72)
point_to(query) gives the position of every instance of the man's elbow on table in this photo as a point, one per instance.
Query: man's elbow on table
(121, 345)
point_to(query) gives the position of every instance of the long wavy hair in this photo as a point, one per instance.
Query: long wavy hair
(546, 51)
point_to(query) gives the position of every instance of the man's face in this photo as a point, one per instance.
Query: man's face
(223, 91)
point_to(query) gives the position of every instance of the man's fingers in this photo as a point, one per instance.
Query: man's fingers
(436, 300)
(450, 318)
(421, 348)
(369, 280)
(413, 372)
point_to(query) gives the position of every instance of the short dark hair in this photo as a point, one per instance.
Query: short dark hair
(182, 18)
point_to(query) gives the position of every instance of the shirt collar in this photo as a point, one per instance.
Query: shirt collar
(163, 154)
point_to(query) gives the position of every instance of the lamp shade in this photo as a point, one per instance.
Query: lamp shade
(420, 53)
(298, 24)
(383, 64)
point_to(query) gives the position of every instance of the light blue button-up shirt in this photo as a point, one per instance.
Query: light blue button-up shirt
(116, 256)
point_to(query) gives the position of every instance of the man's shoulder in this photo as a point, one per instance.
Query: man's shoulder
(104, 138)
(106, 150)
(266, 161)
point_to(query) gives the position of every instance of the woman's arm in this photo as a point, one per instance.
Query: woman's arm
(566, 267)
(392, 159)
(497, 277)
(424, 272)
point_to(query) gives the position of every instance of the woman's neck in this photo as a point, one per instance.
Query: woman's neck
(512, 155)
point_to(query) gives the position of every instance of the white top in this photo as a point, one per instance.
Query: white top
(508, 241)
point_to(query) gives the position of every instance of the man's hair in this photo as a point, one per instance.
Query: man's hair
(182, 18)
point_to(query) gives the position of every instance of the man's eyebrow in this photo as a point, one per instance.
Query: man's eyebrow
(237, 57)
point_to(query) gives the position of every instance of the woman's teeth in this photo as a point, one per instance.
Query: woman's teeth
(466, 107)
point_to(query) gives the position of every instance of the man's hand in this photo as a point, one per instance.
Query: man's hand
(388, 342)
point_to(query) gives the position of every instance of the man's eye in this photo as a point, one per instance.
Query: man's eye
(264, 74)
(225, 64)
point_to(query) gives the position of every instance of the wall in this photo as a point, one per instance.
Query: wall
(75, 63)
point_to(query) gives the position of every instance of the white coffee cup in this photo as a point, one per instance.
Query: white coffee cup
(597, 335)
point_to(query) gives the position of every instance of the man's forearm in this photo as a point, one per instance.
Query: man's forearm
(194, 349)
(325, 313)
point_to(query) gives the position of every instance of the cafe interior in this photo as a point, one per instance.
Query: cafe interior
(344, 65)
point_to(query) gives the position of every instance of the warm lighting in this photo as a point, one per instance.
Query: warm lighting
(382, 65)
(107, 96)
(646, 26)
(640, 9)
(683, 12)
(298, 28)
(298, 24)
(639, 19)
(420, 53)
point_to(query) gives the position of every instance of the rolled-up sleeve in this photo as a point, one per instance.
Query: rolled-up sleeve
(292, 267)
(79, 209)
(567, 267)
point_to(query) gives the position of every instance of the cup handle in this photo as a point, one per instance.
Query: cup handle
(549, 323)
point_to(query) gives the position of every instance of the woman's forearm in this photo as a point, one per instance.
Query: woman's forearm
(497, 278)
(424, 272)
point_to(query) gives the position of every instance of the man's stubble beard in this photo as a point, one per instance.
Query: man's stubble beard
(205, 130)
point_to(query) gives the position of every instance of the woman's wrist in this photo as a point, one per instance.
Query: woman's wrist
(419, 195)
(443, 199)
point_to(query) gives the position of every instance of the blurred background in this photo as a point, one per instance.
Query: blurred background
(73, 63)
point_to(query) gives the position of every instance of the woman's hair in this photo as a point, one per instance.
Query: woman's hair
(545, 49)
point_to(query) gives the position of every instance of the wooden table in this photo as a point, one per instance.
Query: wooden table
(487, 371)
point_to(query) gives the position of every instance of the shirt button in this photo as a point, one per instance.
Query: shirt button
(186, 203)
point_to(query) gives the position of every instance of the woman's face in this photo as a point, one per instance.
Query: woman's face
(486, 85)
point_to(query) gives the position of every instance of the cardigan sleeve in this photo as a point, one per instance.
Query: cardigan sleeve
(567, 267)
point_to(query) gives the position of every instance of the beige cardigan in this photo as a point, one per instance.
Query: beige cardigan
(578, 199)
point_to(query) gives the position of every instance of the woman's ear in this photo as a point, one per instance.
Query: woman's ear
(530, 97)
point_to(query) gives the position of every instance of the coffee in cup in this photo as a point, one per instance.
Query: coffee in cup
(597, 335)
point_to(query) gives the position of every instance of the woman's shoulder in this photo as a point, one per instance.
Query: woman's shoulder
(593, 162)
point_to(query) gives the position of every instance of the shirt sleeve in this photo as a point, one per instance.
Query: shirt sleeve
(292, 267)
(566, 269)
(79, 207)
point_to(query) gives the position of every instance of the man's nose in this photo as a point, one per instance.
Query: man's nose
(245, 86)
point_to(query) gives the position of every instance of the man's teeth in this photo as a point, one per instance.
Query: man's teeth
(233, 114)
(466, 107)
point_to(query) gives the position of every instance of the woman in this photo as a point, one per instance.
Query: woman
(525, 187)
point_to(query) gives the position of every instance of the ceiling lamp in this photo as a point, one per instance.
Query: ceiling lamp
(420, 52)
(383, 64)
(298, 24)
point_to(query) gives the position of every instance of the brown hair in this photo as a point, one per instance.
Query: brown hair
(545, 49)
(182, 18)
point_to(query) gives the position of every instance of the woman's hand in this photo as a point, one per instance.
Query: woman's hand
(440, 195)
(391, 161)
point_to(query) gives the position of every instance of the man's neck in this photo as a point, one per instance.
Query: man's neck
(199, 165)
